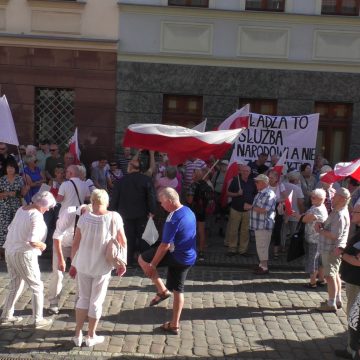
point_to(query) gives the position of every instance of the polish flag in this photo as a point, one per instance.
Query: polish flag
(288, 204)
(74, 147)
(279, 166)
(239, 119)
(180, 143)
(7, 127)
(341, 171)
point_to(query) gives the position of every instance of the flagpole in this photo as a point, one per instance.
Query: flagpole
(209, 171)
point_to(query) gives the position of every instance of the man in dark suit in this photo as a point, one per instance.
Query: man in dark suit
(134, 199)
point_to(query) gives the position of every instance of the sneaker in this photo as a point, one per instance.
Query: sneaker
(10, 321)
(78, 339)
(325, 307)
(43, 323)
(53, 309)
(201, 256)
(261, 271)
(92, 341)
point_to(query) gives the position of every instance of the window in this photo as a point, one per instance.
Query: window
(265, 5)
(193, 3)
(54, 115)
(260, 106)
(333, 133)
(182, 110)
(340, 7)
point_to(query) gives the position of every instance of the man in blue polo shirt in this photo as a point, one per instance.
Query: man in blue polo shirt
(177, 251)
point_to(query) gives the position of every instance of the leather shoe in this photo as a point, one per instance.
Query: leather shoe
(261, 271)
(342, 353)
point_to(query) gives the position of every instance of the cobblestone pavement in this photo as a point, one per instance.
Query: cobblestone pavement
(229, 314)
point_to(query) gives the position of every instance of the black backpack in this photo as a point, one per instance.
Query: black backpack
(204, 197)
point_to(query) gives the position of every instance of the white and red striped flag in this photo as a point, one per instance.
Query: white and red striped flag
(279, 166)
(288, 204)
(239, 119)
(178, 142)
(7, 127)
(343, 170)
(74, 147)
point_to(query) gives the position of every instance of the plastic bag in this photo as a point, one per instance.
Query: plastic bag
(150, 234)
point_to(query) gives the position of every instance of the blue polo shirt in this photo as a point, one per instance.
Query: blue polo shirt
(180, 232)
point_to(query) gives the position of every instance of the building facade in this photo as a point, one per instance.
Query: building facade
(182, 61)
(58, 63)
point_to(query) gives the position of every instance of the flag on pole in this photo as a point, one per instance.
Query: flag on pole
(7, 127)
(288, 204)
(178, 142)
(341, 171)
(279, 166)
(74, 147)
(239, 119)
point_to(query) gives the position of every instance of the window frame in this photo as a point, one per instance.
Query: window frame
(187, 3)
(264, 6)
(338, 7)
(255, 105)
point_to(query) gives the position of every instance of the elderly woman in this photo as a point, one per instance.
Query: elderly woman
(24, 243)
(33, 176)
(316, 214)
(11, 190)
(93, 232)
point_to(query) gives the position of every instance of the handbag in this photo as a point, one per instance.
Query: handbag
(150, 234)
(296, 248)
(115, 254)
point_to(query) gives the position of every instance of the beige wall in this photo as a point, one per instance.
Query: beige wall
(93, 19)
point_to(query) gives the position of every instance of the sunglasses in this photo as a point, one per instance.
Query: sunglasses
(53, 149)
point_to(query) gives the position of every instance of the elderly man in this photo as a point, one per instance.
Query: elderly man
(242, 191)
(134, 199)
(177, 251)
(262, 219)
(74, 191)
(52, 161)
(62, 243)
(333, 235)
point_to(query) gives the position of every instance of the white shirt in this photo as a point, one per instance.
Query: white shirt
(95, 234)
(67, 190)
(65, 225)
(27, 226)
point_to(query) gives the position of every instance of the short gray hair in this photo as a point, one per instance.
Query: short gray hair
(99, 196)
(170, 194)
(319, 193)
(82, 172)
(44, 199)
(29, 158)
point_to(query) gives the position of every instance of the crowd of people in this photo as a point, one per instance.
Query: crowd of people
(45, 191)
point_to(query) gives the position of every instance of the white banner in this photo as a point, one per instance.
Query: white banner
(7, 127)
(274, 134)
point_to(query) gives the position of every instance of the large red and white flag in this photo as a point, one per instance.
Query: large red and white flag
(239, 119)
(343, 170)
(178, 142)
(200, 127)
(7, 127)
(74, 147)
(279, 166)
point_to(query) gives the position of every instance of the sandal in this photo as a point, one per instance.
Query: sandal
(310, 285)
(160, 297)
(167, 327)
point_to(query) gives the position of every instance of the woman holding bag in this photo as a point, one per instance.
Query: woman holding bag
(93, 232)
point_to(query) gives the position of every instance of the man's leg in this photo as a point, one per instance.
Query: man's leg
(244, 232)
(178, 305)
(159, 284)
(232, 231)
(262, 239)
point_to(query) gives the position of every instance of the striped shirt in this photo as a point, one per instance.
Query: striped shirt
(265, 199)
(190, 166)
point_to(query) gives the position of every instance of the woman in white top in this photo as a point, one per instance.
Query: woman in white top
(92, 234)
(24, 243)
